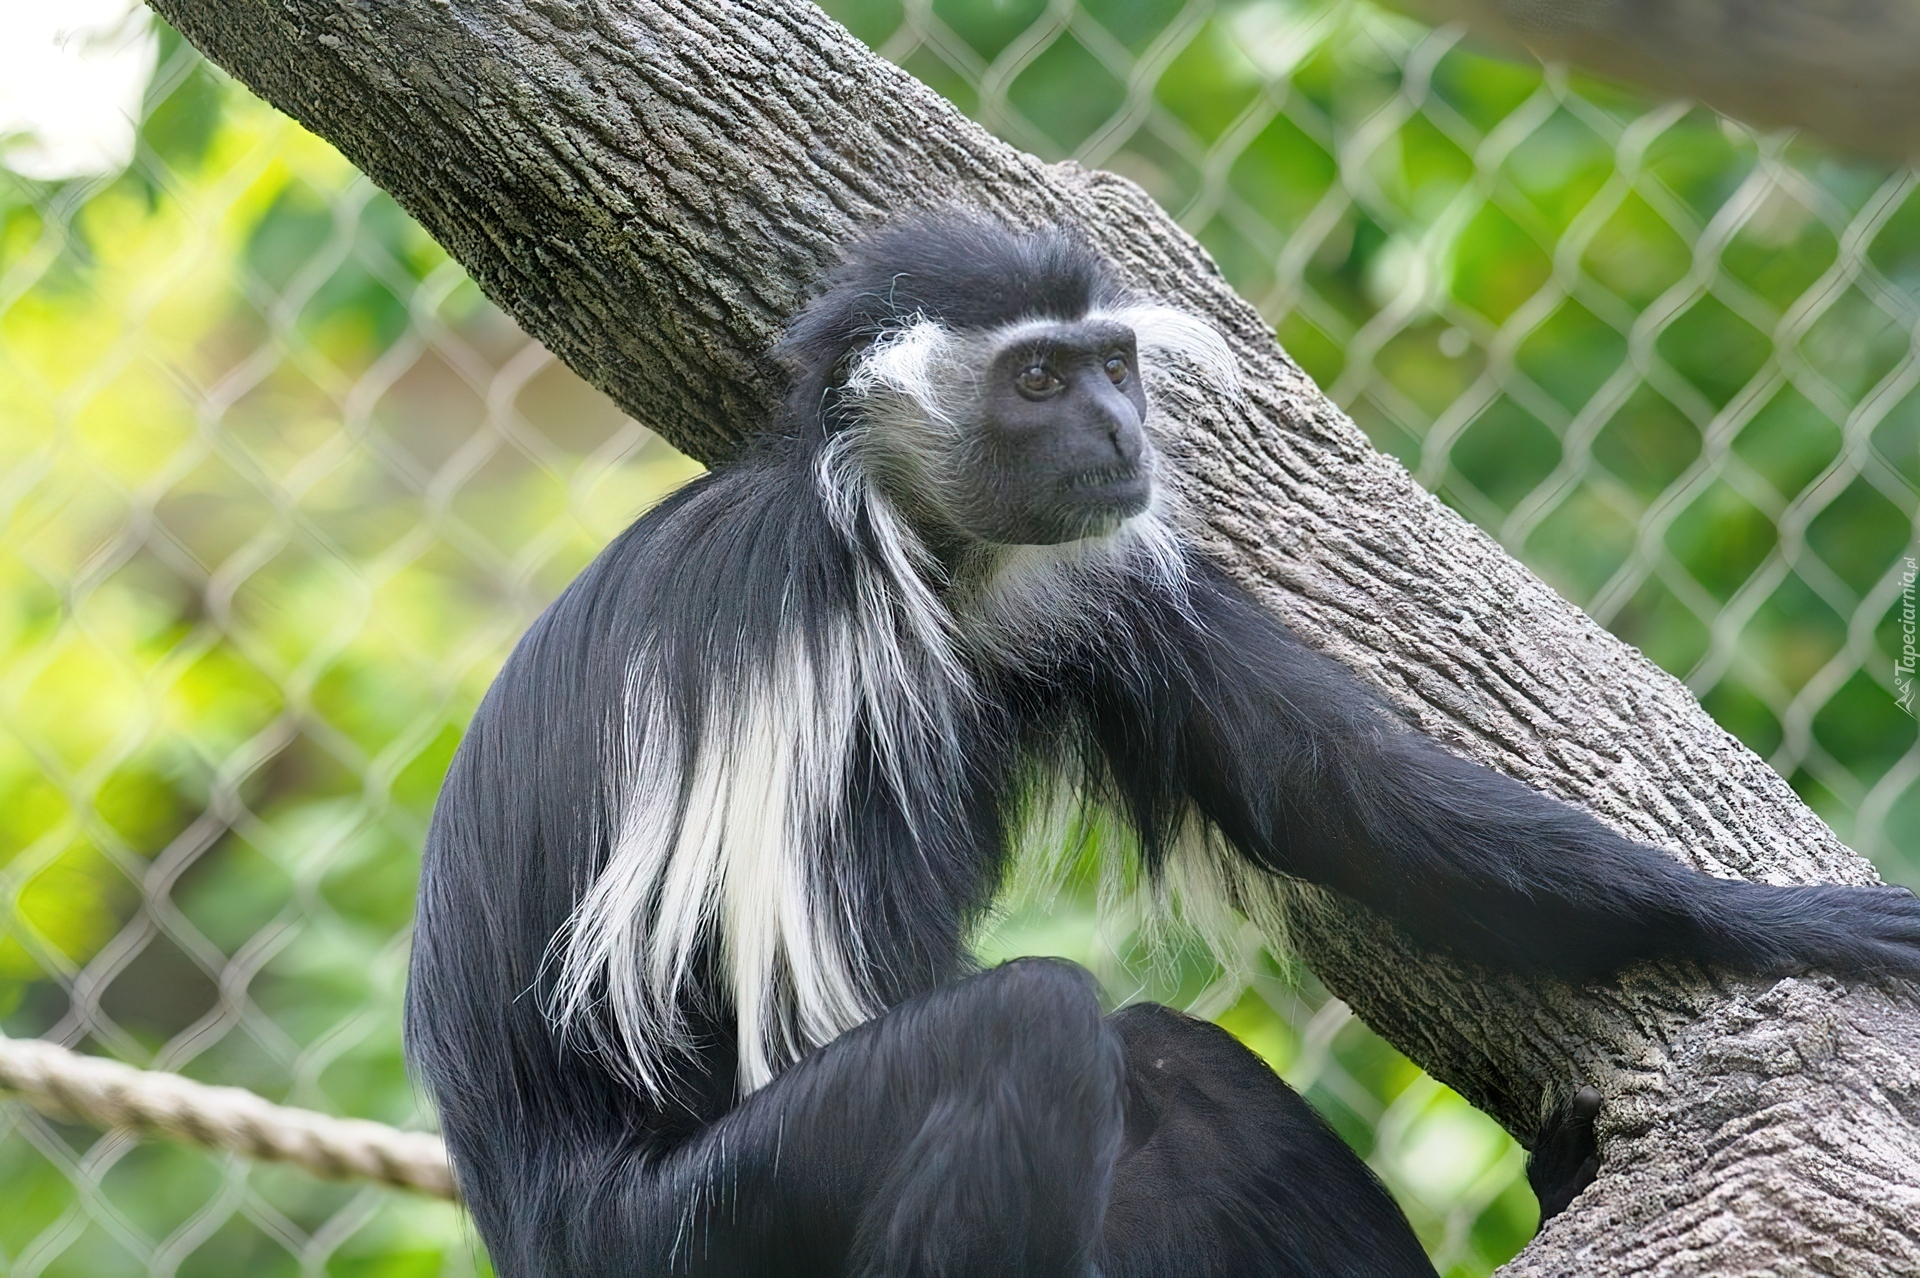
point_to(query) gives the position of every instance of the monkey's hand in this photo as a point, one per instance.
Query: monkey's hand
(1565, 1157)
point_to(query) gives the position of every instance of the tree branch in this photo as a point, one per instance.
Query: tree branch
(649, 185)
(1848, 70)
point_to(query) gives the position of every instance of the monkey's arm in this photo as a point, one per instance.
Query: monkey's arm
(1306, 774)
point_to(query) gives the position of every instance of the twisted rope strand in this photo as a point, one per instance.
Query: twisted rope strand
(108, 1094)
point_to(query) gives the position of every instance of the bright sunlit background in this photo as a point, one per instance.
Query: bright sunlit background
(278, 489)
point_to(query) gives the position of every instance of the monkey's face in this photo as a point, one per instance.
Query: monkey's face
(1062, 451)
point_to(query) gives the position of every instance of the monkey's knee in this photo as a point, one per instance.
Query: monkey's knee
(1175, 1059)
(1222, 1159)
(1009, 1168)
(1034, 1026)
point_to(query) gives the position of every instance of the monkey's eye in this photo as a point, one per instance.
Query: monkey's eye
(1116, 369)
(1037, 382)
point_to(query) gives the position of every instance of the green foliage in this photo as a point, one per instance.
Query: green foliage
(278, 490)
(265, 544)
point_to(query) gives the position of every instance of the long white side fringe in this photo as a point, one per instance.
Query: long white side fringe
(103, 1093)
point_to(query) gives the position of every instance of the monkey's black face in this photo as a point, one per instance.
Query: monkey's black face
(1062, 453)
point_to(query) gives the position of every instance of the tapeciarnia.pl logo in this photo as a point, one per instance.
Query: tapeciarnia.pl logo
(1903, 665)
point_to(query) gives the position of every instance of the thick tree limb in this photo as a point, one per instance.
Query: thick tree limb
(1848, 70)
(648, 185)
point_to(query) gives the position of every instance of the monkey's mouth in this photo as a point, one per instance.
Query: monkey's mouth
(1115, 483)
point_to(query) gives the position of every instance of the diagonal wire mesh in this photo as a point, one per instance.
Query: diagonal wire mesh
(278, 489)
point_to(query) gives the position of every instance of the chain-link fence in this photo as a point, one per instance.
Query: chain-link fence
(278, 489)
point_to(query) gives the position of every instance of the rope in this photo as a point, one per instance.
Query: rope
(108, 1094)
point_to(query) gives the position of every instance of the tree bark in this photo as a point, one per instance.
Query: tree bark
(649, 185)
(1848, 70)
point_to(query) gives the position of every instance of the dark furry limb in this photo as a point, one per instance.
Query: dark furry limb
(1565, 1157)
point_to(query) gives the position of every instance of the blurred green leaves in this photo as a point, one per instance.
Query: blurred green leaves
(273, 512)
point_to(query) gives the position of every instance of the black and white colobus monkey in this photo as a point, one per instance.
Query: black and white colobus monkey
(691, 981)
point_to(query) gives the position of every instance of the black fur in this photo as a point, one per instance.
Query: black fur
(980, 1123)
(967, 272)
(1566, 1156)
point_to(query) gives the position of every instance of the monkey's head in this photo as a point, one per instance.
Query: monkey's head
(990, 383)
(1047, 441)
